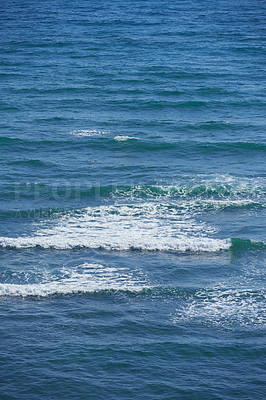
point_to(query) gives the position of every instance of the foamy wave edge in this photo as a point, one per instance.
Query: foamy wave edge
(56, 288)
(81, 279)
(168, 244)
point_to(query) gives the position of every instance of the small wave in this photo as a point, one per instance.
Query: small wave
(246, 244)
(30, 163)
(8, 140)
(85, 278)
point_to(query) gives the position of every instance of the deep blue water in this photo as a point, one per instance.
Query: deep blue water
(132, 201)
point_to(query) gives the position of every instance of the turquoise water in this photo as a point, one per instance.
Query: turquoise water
(132, 201)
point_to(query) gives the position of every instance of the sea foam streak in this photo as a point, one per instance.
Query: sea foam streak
(125, 227)
(85, 278)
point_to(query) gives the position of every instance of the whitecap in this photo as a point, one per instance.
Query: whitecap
(125, 138)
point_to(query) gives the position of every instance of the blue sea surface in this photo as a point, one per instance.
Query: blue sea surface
(132, 200)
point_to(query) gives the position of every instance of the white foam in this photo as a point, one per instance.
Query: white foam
(141, 227)
(238, 185)
(219, 204)
(85, 278)
(88, 133)
(225, 306)
(125, 138)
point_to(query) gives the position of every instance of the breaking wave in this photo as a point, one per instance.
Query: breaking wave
(235, 194)
(151, 227)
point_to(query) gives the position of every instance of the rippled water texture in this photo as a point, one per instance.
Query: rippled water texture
(132, 200)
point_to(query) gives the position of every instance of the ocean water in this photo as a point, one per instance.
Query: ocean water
(132, 201)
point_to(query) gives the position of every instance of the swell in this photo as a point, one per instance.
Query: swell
(98, 141)
(242, 195)
(35, 163)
